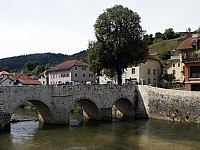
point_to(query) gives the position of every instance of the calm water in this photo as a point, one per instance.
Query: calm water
(119, 135)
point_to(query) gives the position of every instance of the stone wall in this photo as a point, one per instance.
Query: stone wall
(55, 102)
(167, 104)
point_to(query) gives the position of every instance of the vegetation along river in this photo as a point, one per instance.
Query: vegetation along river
(95, 135)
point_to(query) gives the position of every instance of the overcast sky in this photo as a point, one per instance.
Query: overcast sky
(66, 26)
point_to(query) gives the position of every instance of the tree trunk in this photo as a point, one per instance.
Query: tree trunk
(119, 76)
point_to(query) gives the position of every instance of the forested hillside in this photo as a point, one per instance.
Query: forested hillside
(17, 63)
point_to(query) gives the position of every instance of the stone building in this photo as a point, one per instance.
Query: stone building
(70, 72)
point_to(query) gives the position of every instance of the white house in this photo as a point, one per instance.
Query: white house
(148, 72)
(6, 82)
(70, 72)
(175, 67)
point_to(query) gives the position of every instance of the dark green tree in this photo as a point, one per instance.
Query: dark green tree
(165, 55)
(168, 77)
(31, 65)
(158, 37)
(169, 34)
(118, 41)
(38, 70)
(148, 38)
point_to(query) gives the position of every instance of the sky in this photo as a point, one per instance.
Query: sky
(66, 26)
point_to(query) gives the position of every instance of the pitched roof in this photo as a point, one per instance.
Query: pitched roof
(28, 82)
(4, 73)
(22, 75)
(68, 64)
(187, 44)
(3, 79)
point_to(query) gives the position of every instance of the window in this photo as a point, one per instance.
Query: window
(90, 75)
(194, 71)
(84, 75)
(154, 72)
(149, 81)
(133, 70)
(76, 75)
(174, 72)
(179, 65)
(84, 68)
(149, 70)
(67, 75)
(76, 68)
(173, 65)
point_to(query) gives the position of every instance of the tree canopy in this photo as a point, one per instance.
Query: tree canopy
(119, 41)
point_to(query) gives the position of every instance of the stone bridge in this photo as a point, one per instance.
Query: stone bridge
(54, 103)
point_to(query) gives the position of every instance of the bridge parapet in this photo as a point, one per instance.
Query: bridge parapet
(168, 104)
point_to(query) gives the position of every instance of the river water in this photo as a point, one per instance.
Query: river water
(95, 135)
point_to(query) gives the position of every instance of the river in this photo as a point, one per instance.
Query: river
(96, 135)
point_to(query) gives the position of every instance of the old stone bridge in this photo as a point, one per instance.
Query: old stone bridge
(55, 102)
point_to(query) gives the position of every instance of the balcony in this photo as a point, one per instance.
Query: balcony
(193, 57)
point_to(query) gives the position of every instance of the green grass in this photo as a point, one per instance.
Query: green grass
(166, 45)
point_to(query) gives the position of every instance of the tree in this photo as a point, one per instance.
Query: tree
(165, 55)
(148, 39)
(118, 41)
(168, 77)
(31, 65)
(158, 37)
(169, 34)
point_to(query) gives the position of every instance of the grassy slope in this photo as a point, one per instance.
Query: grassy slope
(166, 45)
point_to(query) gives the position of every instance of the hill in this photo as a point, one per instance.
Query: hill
(164, 48)
(166, 45)
(17, 63)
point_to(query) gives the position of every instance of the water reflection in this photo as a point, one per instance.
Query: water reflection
(95, 135)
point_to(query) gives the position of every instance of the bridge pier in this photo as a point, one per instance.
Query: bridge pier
(106, 113)
(4, 121)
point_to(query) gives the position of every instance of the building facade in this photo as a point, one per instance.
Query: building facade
(148, 72)
(189, 52)
(175, 67)
(70, 72)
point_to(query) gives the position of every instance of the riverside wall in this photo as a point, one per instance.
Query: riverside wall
(168, 104)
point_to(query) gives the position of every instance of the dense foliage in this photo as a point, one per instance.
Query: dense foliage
(118, 42)
(35, 63)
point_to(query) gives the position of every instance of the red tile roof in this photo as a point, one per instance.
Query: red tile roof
(29, 82)
(22, 76)
(186, 44)
(68, 64)
(4, 73)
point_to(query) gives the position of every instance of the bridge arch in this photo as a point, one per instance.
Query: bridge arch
(44, 112)
(90, 108)
(123, 107)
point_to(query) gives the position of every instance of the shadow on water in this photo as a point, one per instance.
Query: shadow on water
(119, 134)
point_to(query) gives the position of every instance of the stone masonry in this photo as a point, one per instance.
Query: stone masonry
(55, 102)
(168, 104)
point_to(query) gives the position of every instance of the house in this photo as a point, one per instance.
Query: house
(174, 67)
(42, 77)
(70, 72)
(148, 72)
(189, 56)
(4, 74)
(24, 79)
(6, 82)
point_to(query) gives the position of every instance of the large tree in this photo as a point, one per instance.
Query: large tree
(119, 41)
